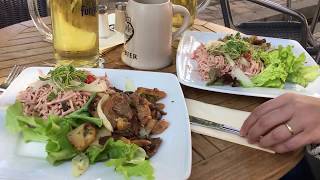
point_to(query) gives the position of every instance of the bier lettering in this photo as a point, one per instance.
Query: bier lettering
(130, 55)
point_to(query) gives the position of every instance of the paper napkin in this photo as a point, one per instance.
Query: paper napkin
(114, 38)
(222, 115)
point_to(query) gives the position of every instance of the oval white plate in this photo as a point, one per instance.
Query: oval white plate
(187, 69)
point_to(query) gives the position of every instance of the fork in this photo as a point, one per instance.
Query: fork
(15, 71)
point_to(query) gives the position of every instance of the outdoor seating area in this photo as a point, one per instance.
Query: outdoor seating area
(160, 89)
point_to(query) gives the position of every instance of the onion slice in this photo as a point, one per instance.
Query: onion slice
(98, 85)
(101, 115)
(244, 61)
(37, 84)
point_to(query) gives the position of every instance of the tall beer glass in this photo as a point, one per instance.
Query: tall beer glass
(194, 6)
(74, 34)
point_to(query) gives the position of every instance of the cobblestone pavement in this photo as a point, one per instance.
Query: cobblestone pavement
(244, 11)
(241, 11)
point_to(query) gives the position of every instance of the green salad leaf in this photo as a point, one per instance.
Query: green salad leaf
(281, 66)
(119, 149)
(32, 128)
(273, 75)
(12, 114)
(97, 153)
(143, 169)
(128, 159)
(304, 75)
(59, 148)
(83, 114)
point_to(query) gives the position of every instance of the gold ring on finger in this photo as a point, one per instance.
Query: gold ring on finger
(289, 128)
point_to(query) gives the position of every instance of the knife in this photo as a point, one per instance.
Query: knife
(213, 125)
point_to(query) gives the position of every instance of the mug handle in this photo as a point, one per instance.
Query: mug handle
(186, 19)
(203, 5)
(40, 25)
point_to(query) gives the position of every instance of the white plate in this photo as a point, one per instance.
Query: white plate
(188, 75)
(173, 160)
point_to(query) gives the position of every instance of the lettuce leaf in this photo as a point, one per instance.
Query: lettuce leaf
(58, 147)
(143, 169)
(270, 57)
(54, 130)
(81, 115)
(294, 64)
(12, 114)
(304, 75)
(80, 118)
(273, 75)
(299, 73)
(281, 66)
(128, 159)
(112, 150)
(32, 128)
(96, 154)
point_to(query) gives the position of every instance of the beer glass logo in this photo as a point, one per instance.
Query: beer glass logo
(129, 31)
(88, 8)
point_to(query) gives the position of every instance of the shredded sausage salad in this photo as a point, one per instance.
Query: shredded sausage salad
(251, 62)
(83, 118)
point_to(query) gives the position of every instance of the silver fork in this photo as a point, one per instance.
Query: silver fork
(15, 71)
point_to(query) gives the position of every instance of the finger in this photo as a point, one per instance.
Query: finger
(281, 133)
(293, 143)
(262, 109)
(269, 121)
(276, 136)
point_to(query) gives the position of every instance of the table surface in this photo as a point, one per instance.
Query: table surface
(211, 158)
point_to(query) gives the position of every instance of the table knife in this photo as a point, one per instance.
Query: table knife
(213, 125)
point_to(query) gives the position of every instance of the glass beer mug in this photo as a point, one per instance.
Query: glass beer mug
(74, 34)
(194, 6)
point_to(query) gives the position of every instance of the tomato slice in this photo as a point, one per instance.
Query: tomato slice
(247, 55)
(90, 79)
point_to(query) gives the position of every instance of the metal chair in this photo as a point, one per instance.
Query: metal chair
(296, 28)
(15, 11)
(315, 18)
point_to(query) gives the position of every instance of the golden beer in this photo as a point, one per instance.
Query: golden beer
(75, 32)
(191, 5)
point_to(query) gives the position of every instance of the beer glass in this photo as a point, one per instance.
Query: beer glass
(193, 6)
(74, 34)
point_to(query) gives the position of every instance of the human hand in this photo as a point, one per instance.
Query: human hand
(266, 125)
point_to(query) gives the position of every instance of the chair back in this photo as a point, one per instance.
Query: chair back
(296, 30)
(16, 11)
(278, 29)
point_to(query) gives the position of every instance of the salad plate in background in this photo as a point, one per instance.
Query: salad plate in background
(239, 80)
(38, 158)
